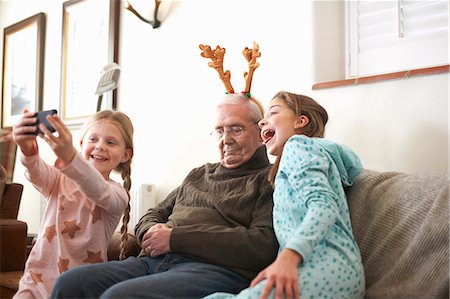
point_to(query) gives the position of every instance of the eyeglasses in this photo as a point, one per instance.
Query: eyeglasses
(236, 131)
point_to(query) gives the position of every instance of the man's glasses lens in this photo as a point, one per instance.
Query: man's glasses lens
(236, 131)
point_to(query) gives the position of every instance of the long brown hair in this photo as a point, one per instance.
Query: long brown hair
(125, 126)
(302, 105)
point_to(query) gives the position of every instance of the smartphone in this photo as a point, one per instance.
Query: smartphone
(41, 116)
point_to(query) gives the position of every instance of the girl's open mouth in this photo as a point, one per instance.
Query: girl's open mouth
(267, 135)
(96, 157)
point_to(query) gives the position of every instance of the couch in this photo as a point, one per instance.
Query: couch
(401, 224)
(13, 235)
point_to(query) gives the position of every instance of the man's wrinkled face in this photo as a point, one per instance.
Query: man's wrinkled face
(237, 135)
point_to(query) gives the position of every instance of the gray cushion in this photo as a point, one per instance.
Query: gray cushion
(400, 222)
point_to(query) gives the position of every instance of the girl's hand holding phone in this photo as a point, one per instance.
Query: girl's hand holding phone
(61, 143)
(24, 133)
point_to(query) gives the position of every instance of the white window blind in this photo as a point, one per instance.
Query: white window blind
(395, 35)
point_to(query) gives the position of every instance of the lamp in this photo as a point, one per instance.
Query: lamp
(109, 80)
(155, 23)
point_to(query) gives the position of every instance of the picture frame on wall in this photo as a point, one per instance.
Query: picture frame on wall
(23, 68)
(90, 38)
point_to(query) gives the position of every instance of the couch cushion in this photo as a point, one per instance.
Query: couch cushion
(13, 244)
(12, 195)
(400, 222)
(10, 280)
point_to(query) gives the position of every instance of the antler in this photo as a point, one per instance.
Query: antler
(216, 57)
(250, 55)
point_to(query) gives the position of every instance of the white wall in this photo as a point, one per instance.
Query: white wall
(12, 11)
(170, 93)
(394, 125)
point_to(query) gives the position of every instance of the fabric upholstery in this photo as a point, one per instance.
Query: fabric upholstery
(8, 149)
(401, 224)
(12, 195)
(13, 240)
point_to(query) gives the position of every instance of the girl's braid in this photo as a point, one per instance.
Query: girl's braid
(126, 176)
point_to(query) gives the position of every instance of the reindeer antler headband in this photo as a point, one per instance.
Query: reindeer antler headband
(216, 57)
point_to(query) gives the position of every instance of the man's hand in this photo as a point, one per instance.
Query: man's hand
(156, 240)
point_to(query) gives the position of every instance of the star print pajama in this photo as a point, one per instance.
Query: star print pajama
(82, 212)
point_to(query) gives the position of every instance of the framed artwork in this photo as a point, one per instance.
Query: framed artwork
(90, 38)
(23, 68)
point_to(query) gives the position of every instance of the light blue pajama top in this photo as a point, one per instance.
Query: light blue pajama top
(311, 216)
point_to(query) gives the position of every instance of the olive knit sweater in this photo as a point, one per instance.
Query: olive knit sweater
(221, 216)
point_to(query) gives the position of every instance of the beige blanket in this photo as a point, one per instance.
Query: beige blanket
(401, 224)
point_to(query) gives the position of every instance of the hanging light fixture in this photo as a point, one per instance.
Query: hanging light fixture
(155, 22)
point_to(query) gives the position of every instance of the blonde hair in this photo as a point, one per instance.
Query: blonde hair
(302, 105)
(125, 126)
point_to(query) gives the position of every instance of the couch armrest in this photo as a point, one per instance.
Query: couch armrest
(13, 244)
(9, 208)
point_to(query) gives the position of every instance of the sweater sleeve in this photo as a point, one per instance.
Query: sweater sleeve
(252, 246)
(111, 197)
(158, 214)
(306, 167)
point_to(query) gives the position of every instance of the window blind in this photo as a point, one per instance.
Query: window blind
(390, 36)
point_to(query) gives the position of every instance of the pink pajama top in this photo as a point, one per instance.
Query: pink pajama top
(83, 210)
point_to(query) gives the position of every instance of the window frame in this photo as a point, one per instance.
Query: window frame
(358, 62)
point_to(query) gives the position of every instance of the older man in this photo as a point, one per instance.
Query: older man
(212, 233)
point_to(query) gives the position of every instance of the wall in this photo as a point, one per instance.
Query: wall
(394, 125)
(11, 12)
(170, 92)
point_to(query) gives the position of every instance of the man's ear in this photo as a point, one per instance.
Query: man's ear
(301, 122)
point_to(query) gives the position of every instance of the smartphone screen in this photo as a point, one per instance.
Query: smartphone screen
(41, 116)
